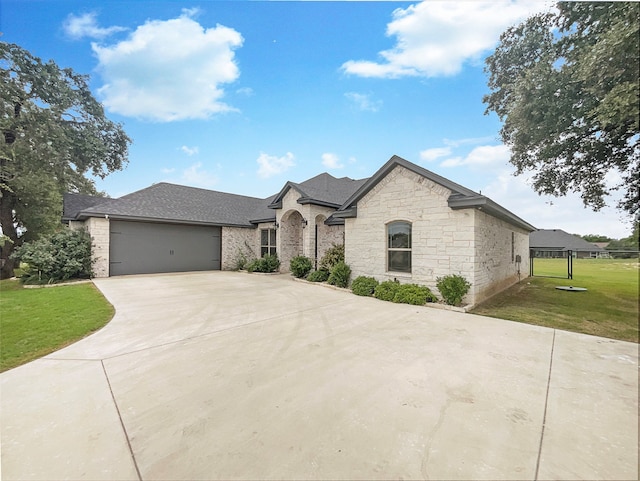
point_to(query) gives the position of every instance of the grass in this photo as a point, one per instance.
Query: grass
(609, 307)
(36, 322)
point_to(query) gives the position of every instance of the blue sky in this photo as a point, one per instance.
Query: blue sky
(243, 96)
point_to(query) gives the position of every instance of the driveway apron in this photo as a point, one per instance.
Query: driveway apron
(224, 375)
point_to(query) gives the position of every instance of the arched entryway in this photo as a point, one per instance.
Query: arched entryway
(291, 240)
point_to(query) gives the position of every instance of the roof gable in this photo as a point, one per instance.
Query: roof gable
(460, 198)
(323, 189)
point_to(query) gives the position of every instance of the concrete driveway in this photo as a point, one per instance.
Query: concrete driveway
(235, 376)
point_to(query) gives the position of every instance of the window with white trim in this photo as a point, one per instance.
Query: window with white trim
(267, 242)
(399, 246)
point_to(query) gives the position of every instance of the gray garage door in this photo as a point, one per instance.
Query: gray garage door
(145, 248)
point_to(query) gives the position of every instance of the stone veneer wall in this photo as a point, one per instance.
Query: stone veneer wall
(495, 268)
(328, 236)
(236, 241)
(466, 242)
(98, 228)
(294, 239)
(442, 238)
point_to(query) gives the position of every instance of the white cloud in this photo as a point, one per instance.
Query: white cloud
(364, 102)
(468, 141)
(86, 25)
(189, 150)
(437, 38)
(271, 165)
(246, 91)
(331, 161)
(169, 70)
(482, 156)
(429, 155)
(195, 176)
(547, 212)
(167, 170)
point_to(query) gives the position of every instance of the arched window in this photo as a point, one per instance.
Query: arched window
(399, 247)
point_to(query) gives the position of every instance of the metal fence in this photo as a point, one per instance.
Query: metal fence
(551, 263)
(559, 263)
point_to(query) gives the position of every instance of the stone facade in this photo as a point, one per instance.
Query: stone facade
(444, 241)
(236, 243)
(497, 247)
(295, 237)
(98, 228)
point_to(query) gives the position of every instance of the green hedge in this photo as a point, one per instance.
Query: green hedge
(300, 266)
(453, 288)
(57, 257)
(340, 275)
(364, 286)
(269, 263)
(404, 293)
(318, 276)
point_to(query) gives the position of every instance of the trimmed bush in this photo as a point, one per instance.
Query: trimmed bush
(269, 263)
(331, 257)
(300, 266)
(453, 288)
(340, 275)
(57, 257)
(386, 291)
(318, 276)
(413, 294)
(364, 286)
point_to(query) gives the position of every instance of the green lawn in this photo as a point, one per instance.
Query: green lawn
(35, 322)
(609, 307)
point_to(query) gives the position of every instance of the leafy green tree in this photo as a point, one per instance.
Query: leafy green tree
(53, 133)
(631, 243)
(596, 238)
(565, 86)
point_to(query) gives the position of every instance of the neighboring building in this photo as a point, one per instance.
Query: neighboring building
(403, 223)
(557, 243)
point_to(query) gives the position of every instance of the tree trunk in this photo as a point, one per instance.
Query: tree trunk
(7, 203)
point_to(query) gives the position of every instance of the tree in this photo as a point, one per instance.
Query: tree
(54, 132)
(565, 86)
(596, 238)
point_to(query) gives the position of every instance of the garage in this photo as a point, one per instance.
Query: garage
(147, 248)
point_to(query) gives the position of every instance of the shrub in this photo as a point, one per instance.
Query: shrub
(339, 275)
(318, 276)
(244, 257)
(269, 263)
(413, 294)
(386, 291)
(453, 288)
(57, 257)
(330, 258)
(364, 286)
(300, 266)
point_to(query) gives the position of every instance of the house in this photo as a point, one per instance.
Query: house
(557, 243)
(404, 223)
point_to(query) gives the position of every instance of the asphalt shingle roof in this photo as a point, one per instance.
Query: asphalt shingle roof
(323, 189)
(76, 203)
(329, 189)
(171, 202)
(557, 239)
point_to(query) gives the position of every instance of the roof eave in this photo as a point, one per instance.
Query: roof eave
(263, 221)
(157, 220)
(346, 213)
(334, 221)
(391, 164)
(322, 203)
(480, 202)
